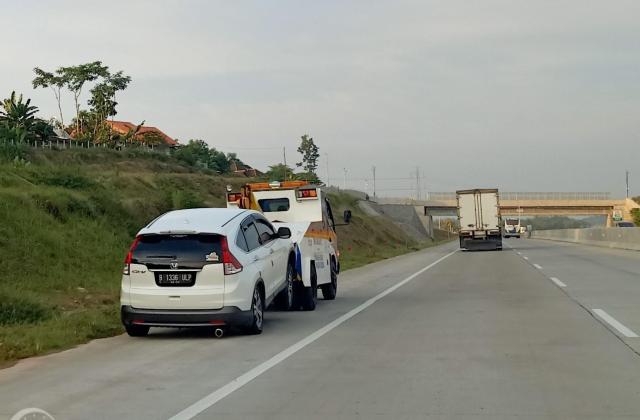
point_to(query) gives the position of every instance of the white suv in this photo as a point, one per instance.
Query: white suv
(206, 267)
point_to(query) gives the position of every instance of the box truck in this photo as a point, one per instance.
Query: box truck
(479, 219)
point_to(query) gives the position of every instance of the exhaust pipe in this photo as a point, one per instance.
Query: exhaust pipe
(218, 332)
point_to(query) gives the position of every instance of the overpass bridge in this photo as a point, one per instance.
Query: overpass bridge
(529, 204)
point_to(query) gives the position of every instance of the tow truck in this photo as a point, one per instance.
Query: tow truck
(306, 211)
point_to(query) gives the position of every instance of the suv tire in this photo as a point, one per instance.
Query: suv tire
(257, 312)
(284, 300)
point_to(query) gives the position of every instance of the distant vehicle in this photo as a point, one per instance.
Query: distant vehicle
(479, 219)
(512, 228)
(304, 208)
(625, 224)
(206, 268)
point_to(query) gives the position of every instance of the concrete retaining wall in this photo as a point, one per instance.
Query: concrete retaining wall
(624, 238)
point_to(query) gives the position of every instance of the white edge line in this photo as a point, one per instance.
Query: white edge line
(237, 383)
(558, 282)
(525, 257)
(538, 266)
(615, 323)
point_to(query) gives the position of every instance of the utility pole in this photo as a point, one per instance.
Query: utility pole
(327, 158)
(344, 185)
(284, 157)
(374, 182)
(417, 183)
(627, 176)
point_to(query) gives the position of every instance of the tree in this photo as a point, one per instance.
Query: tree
(103, 95)
(56, 82)
(194, 153)
(18, 122)
(310, 155)
(17, 113)
(220, 162)
(279, 172)
(152, 138)
(76, 76)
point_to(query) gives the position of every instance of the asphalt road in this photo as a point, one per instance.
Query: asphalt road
(435, 334)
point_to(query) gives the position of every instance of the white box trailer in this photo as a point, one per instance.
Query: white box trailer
(479, 218)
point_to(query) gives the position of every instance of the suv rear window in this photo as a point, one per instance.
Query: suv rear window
(274, 204)
(177, 247)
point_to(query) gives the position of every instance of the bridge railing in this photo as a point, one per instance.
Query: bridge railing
(573, 196)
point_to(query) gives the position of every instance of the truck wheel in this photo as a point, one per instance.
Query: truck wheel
(308, 296)
(284, 300)
(329, 290)
(137, 330)
(257, 312)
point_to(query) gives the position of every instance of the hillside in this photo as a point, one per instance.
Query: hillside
(68, 218)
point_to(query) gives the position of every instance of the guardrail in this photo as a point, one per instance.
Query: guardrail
(62, 144)
(574, 196)
(622, 238)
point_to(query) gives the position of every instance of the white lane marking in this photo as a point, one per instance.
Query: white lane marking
(558, 282)
(211, 399)
(615, 323)
(518, 252)
(538, 266)
(526, 258)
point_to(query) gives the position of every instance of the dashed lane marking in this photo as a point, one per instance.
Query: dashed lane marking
(615, 323)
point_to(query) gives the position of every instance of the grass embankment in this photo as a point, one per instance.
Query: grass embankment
(68, 218)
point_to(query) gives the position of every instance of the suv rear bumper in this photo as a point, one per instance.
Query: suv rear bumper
(227, 316)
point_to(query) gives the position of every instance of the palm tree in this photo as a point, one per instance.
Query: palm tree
(17, 114)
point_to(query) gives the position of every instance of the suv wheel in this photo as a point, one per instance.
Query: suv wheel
(284, 300)
(257, 312)
(137, 330)
(329, 290)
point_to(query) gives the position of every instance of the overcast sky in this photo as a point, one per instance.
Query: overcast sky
(525, 95)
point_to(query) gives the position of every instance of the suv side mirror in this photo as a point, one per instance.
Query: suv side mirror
(284, 233)
(347, 216)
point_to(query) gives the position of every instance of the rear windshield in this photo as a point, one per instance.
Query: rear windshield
(179, 247)
(512, 221)
(274, 204)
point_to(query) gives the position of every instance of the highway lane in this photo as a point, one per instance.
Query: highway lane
(597, 278)
(157, 376)
(477, 335)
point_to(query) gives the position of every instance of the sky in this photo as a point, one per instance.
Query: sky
(520, 95)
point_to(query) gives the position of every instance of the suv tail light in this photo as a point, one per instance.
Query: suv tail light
(127, 260)
(230, 263)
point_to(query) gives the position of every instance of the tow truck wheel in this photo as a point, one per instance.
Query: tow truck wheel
(284, 300)
(329, 290)
(308, 296)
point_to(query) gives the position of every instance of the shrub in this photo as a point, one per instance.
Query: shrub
(12, 152)
(14, 310)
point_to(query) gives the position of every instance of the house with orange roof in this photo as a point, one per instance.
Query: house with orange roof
(149, 136)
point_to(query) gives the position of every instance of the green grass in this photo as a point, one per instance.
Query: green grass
(68, 219)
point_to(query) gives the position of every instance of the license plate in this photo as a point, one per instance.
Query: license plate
(175, 279)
